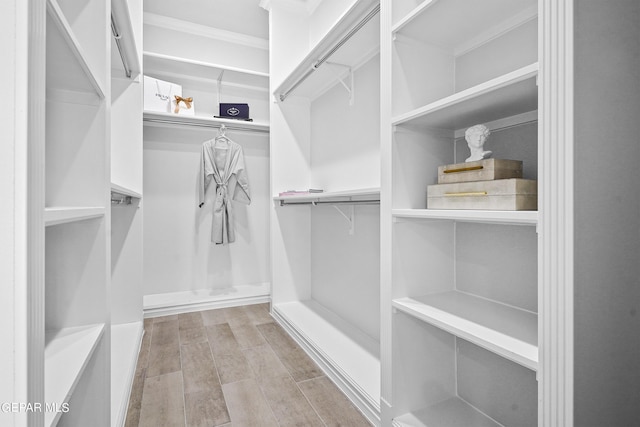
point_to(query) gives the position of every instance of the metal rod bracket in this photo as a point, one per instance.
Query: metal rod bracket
(350, 217)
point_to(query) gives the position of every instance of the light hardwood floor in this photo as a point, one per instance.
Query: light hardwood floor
(230, 367)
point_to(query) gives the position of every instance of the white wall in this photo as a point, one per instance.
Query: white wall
(12, 226)
(345, 140)
(325, 16)
(179, 255)
(180, 44)
(345, 154)
(345, 268)
(607, 213)
(289, 41)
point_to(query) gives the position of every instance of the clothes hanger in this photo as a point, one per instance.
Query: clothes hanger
(221, 139)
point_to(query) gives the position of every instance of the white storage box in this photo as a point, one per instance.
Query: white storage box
(158, 94)
(502, 194)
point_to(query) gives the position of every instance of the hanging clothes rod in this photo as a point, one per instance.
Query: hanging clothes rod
(331, 51)
(204, 125)
(334, 202)
(120, 199)
(117, 36)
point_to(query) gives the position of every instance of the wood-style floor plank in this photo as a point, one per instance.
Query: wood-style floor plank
(206, 409)
(231, 367)
(221, 339)
(164, 351)
(333, 407)
(163, 401)
(264, 362)
(247, 406)
(290, 407)
(300, 366)
(198, 369)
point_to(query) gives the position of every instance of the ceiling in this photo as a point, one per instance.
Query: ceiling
(239, 16)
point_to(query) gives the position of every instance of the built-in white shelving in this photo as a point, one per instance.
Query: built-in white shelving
(365, 194)
(67, 353)
(119, 189)
(488, 217)
(464, 311)
(313, 76)
(431, 22)
(508, 95)
(339, 347)
(125, 345)
(68, 70)
(172, 67)
(507, 331)
(152, 118)
(62, 215)
(453, 412)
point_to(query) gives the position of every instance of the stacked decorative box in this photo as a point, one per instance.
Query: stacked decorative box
(489, 184)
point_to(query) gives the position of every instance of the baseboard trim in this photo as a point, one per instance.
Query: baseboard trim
(368, 406)
(186, 302)
(121, 416)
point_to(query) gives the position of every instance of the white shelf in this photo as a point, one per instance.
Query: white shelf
(67, 353)
(177, 68)
(115, 188)
(337, 343)
(487, 217)
(431, 21)
(62, 215)
(369, 194)
(355, 52)
(68, 70)
(453, 412)
(125, 345)
(152, 118)
(505, 96)
(507, 331)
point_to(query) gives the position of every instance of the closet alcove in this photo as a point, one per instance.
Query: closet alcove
(184, 270)
(422, 317)
(325, 80)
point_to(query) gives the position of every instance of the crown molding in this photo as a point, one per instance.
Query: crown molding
(205, 31)
(291, 5)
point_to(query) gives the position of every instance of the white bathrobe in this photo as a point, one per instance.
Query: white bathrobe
(224, 162)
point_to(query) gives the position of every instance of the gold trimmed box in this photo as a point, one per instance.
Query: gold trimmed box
(480, 170)
(513, 194)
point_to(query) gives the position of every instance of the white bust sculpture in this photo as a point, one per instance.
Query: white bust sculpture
(476, 137)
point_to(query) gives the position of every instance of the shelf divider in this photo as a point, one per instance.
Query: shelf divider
(119, 189)
(504, 330)
(487, 217)
(153, 118)
(67, 353)
(62, 215)
(367, 195)
(453, 412)
(507, 95)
